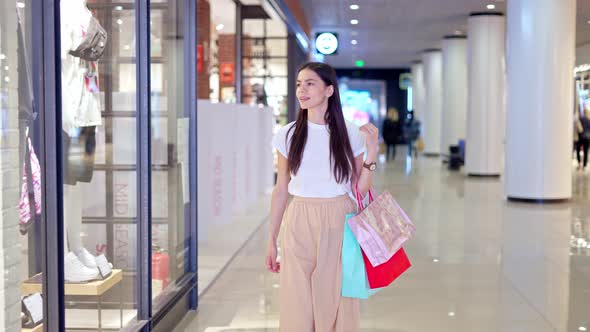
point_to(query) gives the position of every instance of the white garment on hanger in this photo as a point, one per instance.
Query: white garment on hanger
(80, 95)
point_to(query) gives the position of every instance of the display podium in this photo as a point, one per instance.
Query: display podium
(95, 288)
(38, 328)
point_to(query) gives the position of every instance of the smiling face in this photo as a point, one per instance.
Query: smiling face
(312, 92)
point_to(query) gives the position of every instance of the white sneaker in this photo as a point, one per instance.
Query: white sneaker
(76, 271)
(87, 258)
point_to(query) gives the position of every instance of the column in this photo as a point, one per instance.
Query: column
(454, 111)
(484, 155)
(418, 89)
(540, 64)
(432, 60)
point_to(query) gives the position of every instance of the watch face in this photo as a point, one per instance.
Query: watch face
(373, 167)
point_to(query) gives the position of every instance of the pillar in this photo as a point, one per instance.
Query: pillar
(540, 62)
(484, 154)
(418, 89)
(432, 60)
(454, 111)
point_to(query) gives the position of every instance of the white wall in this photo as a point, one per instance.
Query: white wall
(10, 250)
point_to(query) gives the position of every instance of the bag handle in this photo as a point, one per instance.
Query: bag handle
(359, 199)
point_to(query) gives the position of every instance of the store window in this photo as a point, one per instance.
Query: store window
(265, 61)
(170, 154)
(217, 51)
(99, 164)
(20, 251)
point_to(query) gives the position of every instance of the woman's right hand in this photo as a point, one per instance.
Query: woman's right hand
(271, 258)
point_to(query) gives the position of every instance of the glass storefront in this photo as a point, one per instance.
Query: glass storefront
(98, 132)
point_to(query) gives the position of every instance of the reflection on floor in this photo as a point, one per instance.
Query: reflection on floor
(480, 263)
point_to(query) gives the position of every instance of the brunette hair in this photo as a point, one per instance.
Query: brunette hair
(341, 156)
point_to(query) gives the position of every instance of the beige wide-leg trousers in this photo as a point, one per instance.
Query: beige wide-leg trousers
(311, 267)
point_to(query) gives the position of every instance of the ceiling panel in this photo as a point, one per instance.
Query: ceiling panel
(392, 33)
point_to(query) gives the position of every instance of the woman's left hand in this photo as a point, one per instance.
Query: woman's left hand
(372, 136)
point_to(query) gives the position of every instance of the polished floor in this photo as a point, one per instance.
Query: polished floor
(480, 263)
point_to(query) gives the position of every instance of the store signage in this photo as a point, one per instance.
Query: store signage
(327, 43)
(227, 73)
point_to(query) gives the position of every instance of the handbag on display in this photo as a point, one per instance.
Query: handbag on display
(381, 228)
(354, 275)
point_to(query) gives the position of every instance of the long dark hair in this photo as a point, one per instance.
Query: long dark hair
(341, 156)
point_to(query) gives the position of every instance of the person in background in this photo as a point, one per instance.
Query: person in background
(584, 139)
(391, 132)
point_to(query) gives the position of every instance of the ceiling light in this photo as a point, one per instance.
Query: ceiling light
(354, 22)
(451, 314)
(491, 6)
(582, 328)
(119, 8)
(354, 7)
(219, 27)
(435, 260)
(588, 22)
(458, 32)
(20, 4)
(2, 56)
(6, 67)
(119, 21)
(353, 42)
(7, 79)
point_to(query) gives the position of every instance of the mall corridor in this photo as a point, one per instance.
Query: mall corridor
(480, 263)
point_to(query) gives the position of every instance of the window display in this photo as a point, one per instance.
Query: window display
(99, 171)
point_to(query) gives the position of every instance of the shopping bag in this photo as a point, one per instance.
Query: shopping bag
(383, 275)
(381, 228)
(354, 275)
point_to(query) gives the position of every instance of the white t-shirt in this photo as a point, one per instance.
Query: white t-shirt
(80, 92)
(315, 177)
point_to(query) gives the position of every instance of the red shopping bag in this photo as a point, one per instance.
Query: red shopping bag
(384, 274)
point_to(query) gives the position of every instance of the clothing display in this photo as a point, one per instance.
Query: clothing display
(311, 267)
(31, 188)
(315, 177)
(80, 94)
(78, 155)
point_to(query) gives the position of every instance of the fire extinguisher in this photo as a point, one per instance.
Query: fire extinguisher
(160, 266)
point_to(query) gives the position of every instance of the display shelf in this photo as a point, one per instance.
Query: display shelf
(38, 328)
(94, 288)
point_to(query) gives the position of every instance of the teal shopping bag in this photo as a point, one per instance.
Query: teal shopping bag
(354, 275)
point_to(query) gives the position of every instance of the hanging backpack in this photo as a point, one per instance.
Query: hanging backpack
(93, 45)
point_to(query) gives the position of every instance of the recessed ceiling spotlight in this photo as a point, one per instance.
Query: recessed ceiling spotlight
(451, 314)
(491, 6)
(119, 21)
(582, 328)
(354, 22)
(219, 27)
(354, 7)
(20, 4)
(119, 8)
(353, 42)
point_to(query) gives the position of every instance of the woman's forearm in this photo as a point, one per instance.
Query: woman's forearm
(365, 179)
(277, 209)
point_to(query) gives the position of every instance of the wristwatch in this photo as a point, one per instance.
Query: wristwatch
(371, 167)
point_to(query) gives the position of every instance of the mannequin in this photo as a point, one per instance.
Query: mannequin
(80, 116)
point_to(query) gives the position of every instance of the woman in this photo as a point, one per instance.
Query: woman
(320, 162)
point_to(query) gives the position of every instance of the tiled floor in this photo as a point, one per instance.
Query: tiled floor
(480, 263)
